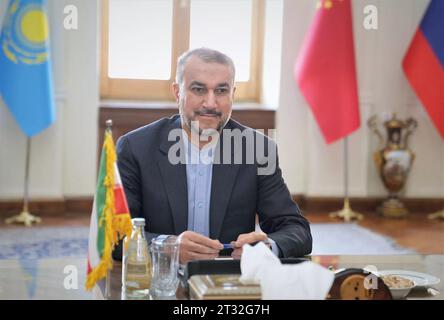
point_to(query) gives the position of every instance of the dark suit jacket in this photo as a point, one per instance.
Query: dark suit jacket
(157, 191)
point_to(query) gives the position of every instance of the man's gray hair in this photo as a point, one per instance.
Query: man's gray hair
(205, 54)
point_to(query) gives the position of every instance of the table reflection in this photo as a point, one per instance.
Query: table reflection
(64, 278)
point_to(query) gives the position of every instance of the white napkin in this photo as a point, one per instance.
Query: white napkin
(306, 280)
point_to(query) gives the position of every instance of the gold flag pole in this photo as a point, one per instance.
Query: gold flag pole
(346, 213)
(436, 215)
(24, 216)
(109, 125)
(108, 285)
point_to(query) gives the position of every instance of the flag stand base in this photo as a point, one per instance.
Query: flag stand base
(346, 213)
(437, 215)
(24, 217)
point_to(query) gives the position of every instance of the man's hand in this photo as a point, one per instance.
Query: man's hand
(244, 239)
(194, 246)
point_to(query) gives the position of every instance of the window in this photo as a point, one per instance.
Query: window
(142, 39)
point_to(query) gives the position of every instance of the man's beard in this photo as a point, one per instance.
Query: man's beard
(193, 125)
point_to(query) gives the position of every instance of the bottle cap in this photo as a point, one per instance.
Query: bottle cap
(138, 222)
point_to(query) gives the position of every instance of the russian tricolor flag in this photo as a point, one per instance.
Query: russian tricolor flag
(424, 63)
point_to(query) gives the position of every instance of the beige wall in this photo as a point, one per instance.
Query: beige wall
(64, 156)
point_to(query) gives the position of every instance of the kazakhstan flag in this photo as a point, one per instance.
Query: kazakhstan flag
(25, 69)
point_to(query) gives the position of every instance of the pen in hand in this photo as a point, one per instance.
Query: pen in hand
(230, 246)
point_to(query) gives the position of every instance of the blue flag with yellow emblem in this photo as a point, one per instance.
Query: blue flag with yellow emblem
(25, 69)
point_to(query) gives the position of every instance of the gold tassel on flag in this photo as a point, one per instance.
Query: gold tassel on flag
(116, 224)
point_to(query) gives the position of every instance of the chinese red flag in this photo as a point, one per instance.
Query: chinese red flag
(325, 70)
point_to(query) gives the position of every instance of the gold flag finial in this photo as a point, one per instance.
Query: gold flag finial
(328, 4)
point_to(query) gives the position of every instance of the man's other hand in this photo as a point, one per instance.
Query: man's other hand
(194, 246)
(245, 238)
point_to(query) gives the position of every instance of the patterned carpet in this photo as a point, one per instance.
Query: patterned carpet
(351, 239)
(57, 242)
(44, 242)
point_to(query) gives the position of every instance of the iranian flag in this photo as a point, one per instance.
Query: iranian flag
(110, 218)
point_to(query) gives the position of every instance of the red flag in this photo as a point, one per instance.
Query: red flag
(325, 70)
(424, 63)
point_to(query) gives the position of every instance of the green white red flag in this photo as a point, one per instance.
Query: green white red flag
(110, 218)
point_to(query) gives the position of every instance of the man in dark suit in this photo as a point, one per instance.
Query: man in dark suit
(190, 175)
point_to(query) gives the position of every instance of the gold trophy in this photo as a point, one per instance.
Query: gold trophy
(393, 161)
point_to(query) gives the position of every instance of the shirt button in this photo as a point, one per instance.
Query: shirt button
(200, 205)
(201, 173)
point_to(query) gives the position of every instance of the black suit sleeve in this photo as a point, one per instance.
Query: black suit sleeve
(280, 217)
(130, 175)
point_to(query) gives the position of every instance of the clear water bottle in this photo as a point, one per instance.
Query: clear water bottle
(136, 264)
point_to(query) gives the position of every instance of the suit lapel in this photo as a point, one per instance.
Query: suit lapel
(223, 179)
(175, 181)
